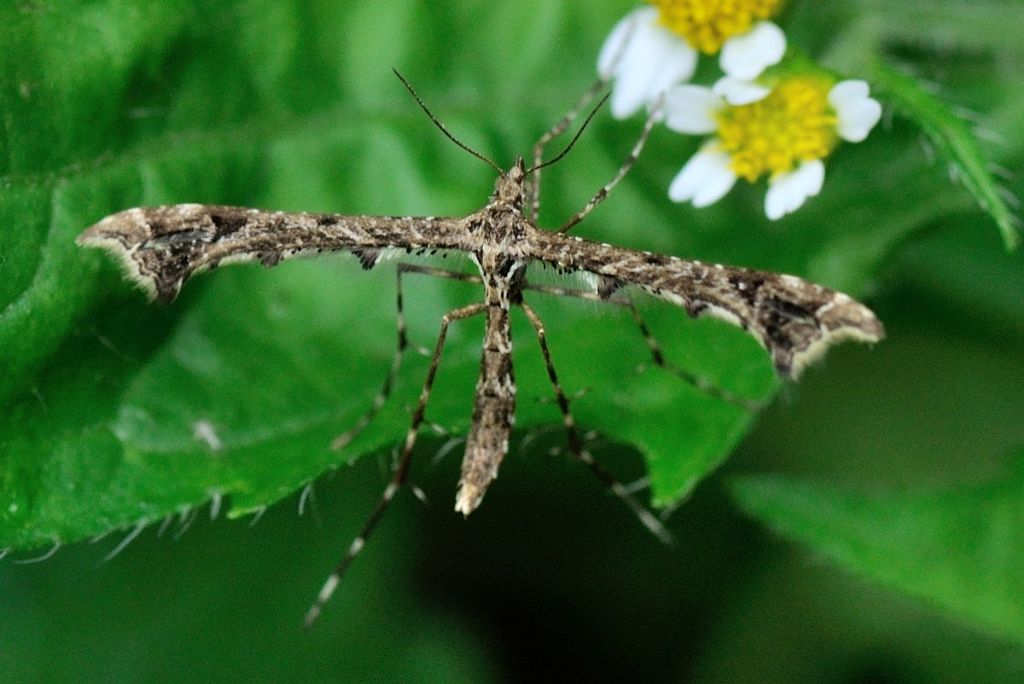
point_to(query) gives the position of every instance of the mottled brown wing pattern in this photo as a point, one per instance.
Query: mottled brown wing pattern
(162, 247)
(795, 320)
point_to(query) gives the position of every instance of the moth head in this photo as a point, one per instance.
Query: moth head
(509, 188)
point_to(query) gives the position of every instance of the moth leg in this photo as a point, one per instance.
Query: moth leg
(623, 170)
(401, 471)
(696, 381)
(576, 447)
(532, 202)
(441, 273)
(657, 356)
(344, 439)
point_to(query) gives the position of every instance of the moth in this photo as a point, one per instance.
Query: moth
(161, 248)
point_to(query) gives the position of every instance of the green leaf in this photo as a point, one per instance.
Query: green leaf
(960, 548)
(109, 402)
(947, 24)
(953, 140)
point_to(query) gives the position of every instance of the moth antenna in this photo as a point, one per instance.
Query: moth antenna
(586, 122)
(444, 129)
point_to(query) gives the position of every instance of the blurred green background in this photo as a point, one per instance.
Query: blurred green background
(897, 468)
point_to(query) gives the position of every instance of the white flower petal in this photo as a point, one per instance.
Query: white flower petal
(857, 113)
(645, 59)
(738, 92)
(704, 179)
(787, 192)
(745, 56)
(677, 64)
(691, 109)
(850, 90)
(615, 44)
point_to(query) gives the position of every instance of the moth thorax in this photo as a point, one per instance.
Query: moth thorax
(504, 227)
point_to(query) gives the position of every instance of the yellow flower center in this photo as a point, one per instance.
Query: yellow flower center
(791, 125)
(706, 24)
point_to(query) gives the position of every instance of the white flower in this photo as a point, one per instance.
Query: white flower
(654, 48)
(783, 132)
